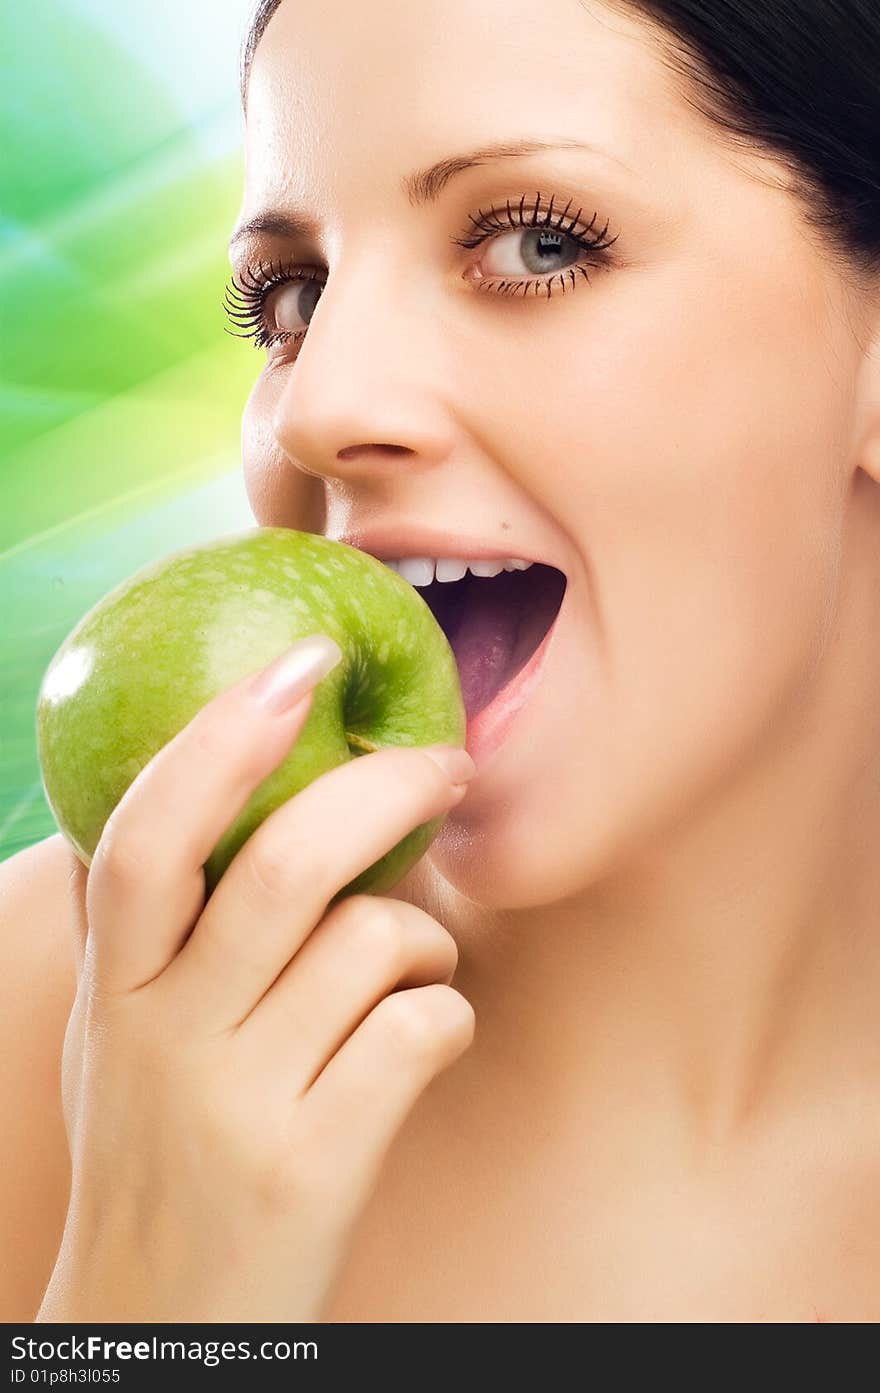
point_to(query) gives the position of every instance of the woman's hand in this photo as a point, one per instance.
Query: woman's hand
(235, 1071)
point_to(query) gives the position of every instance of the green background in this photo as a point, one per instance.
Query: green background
(121, 177)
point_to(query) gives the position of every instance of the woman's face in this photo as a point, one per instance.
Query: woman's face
(673, 432)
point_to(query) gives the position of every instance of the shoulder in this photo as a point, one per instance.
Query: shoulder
(36, 927)
(36, 922)
(37, 987)
(28, 871)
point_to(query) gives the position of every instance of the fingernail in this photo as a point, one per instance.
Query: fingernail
(455, 762)
(294, 672)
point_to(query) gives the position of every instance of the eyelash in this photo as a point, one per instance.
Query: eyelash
(245, 302)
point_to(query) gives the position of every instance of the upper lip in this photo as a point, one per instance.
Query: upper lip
(392, 542)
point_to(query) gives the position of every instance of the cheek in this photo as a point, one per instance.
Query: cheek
(280, 495)
(709, 500)
(700, 477)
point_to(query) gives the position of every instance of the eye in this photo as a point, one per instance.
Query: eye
(274, 304)
(269, 304)
(539, 241)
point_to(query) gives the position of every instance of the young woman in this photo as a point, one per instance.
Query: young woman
(595, 286)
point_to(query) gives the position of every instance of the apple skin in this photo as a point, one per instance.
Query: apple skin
(140, 664)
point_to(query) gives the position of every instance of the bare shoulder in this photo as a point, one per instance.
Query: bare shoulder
(37, 987)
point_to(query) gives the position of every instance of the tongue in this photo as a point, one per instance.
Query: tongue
(484, 642)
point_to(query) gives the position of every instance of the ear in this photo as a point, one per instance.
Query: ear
(867, 405)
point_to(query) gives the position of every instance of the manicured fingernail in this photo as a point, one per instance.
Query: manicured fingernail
(294, 672)
(455, 762)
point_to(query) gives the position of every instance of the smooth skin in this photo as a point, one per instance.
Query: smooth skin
(664, 888)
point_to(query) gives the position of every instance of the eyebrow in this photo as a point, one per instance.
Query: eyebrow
(423, 186)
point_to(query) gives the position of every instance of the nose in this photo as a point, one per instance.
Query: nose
(362, 399)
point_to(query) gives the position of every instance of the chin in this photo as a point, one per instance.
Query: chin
(500, 864)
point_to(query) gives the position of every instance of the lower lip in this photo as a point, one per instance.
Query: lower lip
(491, 726)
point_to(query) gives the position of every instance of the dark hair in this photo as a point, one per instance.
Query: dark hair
(798, 79)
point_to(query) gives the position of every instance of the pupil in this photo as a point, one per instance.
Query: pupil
(536, 245)
(309, 290)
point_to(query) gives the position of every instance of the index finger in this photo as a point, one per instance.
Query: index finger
(146, 885)
(283, 878)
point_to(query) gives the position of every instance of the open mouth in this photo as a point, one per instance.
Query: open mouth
(494, 624)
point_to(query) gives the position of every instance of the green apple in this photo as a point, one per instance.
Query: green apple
(150, 654)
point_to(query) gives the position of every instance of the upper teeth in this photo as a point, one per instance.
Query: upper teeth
(421, 570)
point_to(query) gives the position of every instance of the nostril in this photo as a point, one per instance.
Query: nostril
(354, 451)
